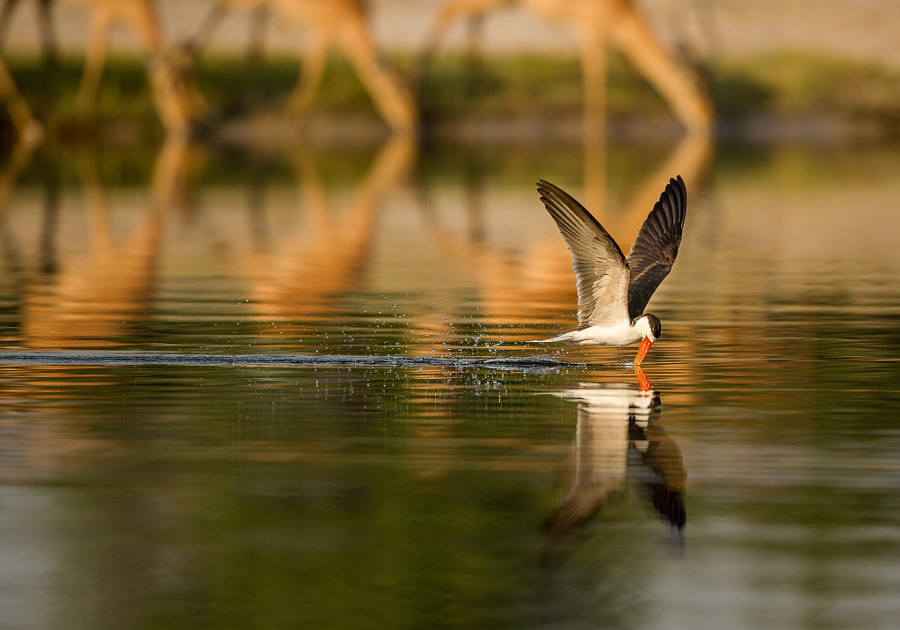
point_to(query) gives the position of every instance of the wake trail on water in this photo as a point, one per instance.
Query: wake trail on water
(107, 358)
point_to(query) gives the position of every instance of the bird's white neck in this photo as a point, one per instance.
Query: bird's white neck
(641, 325)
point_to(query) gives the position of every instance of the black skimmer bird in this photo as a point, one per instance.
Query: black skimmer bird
(614, 289)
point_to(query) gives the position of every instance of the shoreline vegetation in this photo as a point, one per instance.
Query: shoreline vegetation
(512, 98)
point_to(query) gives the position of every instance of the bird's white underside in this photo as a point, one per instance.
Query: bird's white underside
(619, 334)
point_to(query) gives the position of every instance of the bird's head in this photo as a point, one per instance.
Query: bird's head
(649, 326)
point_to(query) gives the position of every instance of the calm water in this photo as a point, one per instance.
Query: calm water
(177, 449)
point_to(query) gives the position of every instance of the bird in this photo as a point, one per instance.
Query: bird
(613, 289)
(619, 440)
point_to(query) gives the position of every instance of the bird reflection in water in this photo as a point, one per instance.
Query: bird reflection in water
(619, 444)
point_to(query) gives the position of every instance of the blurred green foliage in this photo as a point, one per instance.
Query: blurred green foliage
(454, 88)
(798, 83)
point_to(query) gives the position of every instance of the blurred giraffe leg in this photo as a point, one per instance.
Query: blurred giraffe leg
(674, 80)
(6, 13)
(169, 93)
(210, 24)
(48, 35)
(28, 128)
(259, 20)
(95, 56)
(310, 76)
(594, 71)
(450, 13)
(391, 99)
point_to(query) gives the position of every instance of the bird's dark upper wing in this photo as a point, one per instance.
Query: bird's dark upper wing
(656, 246)
(601, 273)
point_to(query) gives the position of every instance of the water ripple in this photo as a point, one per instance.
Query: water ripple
(541, 361)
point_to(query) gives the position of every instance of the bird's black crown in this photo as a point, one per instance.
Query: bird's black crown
(655, 325)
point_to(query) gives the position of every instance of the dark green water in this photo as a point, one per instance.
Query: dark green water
(431, 489)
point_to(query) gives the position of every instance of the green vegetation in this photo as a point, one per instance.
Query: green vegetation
(793, 85)
(804, 84)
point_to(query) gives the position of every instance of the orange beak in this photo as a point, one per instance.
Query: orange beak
(642, 379)
(642, 351)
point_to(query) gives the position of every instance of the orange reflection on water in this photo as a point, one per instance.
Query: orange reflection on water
(106, 295)
(297, 276)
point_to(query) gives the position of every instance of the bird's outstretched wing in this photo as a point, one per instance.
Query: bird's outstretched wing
(601, 273)
(656, 246)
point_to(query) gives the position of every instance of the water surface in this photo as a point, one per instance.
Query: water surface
(244, 389)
